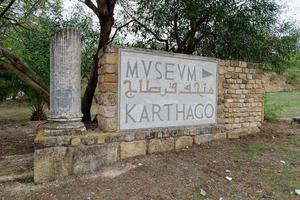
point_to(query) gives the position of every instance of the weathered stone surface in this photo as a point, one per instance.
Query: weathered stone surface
(109, 58)
(91, 158)
(160, 145)
(132, 149)
(76, 141)
(108, 69)
(44, 142)
(199, 139)
(104, 137)
(89, 140)
(183, 142)
(52, 163)
(140, 135)
(65, 82)
(220, 136)
(63, 140)
(107, 111)
(106, 99)
(108, 87)
(233, 135)
(107, 124)
(108, 78)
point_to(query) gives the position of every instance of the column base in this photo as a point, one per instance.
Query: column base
(63, 127)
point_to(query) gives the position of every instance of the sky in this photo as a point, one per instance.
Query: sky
(291, 10)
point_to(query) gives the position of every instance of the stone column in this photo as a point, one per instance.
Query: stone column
(65, 83)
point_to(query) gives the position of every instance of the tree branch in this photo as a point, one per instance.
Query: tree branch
(103, 7)
(154, 34)
(119, 28)
(7, 8)
(24, 73)
(92, 6)
(15, 22)
(175, 21)
(149, 30)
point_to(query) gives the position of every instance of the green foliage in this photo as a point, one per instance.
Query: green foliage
(293, 77)
(30, 41)
(247, 30)
(271, 110)
(273, 78)
(37, 105)
(24, 123)
(293, 71)
(9, 85)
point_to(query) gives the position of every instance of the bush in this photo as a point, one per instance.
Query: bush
(293, 76)
(271, 110)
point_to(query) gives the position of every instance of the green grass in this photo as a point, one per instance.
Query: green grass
(251, 151)
(14, 111)
(285, 181)
(278, 179)
(288, 100)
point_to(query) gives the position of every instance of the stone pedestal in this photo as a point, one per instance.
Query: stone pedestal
(65, 83)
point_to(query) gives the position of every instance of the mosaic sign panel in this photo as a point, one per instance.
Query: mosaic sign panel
(165, 90)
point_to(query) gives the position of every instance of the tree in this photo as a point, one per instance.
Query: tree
(15, 16)
(25, 49)
(246, 30)
(104, 10)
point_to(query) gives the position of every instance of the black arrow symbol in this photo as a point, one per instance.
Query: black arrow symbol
(206, 73)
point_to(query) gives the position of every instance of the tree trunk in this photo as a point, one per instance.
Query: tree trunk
(106, 24)
(24, 73)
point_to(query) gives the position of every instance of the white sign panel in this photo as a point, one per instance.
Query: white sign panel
(160, 90)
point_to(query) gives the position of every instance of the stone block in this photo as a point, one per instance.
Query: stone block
(221, 63)
(227, 62)
(183, 142)
(128, 137)
(89, 140)
(233, 135)
(76, 141)
(132, 149)
(108, 69)
(107, 124)
(220, 136)
(107, 111)
(221, 70)
(108, 87)
(234, 63)
(188, 131)
(140, 135)
(108, 78)
(109, 58)
(91, 158)
(199, 139)
(106, 99)
(44, 142)
(242, 64)
(161, 145)
(111, 49)
(230, 69)
(238, 69)
(104, 137)
(52, 163)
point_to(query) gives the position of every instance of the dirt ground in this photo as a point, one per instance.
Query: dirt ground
(16, 137)
(262, 166)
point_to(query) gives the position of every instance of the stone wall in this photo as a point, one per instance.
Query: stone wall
(239, 95)
(239, 112)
